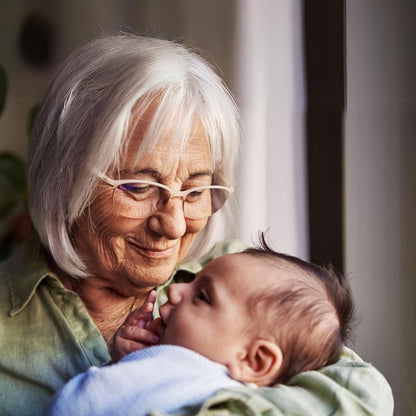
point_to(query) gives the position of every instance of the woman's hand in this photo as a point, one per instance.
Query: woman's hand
(138, 331)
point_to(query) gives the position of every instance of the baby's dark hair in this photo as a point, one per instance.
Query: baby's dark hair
(310, 315)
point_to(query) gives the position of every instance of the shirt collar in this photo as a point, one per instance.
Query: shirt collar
(24, 271)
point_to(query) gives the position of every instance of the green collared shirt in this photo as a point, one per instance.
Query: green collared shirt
(47, 337)
(46, 334)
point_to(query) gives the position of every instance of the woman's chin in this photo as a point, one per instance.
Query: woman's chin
(147, 273)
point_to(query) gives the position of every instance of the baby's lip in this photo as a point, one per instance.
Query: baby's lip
(157, 327)
(160, 327)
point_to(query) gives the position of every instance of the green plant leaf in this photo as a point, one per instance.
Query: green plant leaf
(9, 198)
(12, 168)
(3, 88)
(6, 246)
(12, 182)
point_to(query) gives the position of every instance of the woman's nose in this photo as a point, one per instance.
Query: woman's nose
(169, 221)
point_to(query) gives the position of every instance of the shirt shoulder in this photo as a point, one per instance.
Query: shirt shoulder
(348, 387)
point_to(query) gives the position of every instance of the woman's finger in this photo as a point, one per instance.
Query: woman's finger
(152, 297)
(138, 315)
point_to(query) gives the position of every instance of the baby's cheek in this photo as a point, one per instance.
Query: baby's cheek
(180, 334)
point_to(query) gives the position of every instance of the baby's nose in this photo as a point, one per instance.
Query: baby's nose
(175, 293)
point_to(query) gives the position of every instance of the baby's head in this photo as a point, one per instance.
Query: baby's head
(266, 316)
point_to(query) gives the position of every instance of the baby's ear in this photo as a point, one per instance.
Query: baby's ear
(259, 363)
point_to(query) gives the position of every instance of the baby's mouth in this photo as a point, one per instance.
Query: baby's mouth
(157, 327)
(161, 331)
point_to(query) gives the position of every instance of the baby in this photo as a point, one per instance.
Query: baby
(255, 317)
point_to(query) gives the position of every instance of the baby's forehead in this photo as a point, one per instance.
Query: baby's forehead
(252, 272)
(274, 266)
(266, 270)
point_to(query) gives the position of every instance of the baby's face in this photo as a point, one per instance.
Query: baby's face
(210, 314)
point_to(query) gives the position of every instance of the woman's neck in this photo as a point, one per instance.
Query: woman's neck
(107, 307)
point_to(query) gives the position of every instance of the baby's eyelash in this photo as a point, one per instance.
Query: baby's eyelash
(203, 296)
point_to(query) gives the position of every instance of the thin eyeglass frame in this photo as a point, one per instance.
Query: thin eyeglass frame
(115, 183)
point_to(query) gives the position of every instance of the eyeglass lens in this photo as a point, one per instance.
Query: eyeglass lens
(142, 200)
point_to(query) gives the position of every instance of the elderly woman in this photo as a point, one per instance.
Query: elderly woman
(131, 163)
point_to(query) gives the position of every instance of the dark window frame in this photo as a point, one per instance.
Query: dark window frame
(324, 35)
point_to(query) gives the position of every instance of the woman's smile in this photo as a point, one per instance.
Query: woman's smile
(154, 252)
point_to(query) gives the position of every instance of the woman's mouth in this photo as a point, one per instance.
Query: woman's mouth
(154, 253)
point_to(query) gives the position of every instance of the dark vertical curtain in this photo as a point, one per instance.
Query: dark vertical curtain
(324, 31)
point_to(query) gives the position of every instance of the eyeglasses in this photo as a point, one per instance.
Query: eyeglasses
(140, 199)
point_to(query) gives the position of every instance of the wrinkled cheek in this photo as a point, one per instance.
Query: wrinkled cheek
(98, 235)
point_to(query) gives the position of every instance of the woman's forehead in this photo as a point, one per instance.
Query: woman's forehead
(153, 125)
(192, 154)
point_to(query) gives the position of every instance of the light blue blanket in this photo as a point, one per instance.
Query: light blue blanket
(164, 378)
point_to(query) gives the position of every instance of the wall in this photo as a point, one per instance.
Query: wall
(380, 183)
(270, 91)
(209, 26)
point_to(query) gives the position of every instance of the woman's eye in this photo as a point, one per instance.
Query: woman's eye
(140, 191)
(196, 195)
(135, 188)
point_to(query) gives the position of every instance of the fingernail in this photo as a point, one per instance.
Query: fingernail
(155, 338)
(141, 324)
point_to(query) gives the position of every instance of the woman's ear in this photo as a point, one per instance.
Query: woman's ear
(259, 364)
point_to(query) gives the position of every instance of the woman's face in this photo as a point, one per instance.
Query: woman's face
(132, 254)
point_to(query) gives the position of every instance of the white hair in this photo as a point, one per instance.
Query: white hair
(82, 129)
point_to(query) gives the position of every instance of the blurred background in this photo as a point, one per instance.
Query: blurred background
(327, 91)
